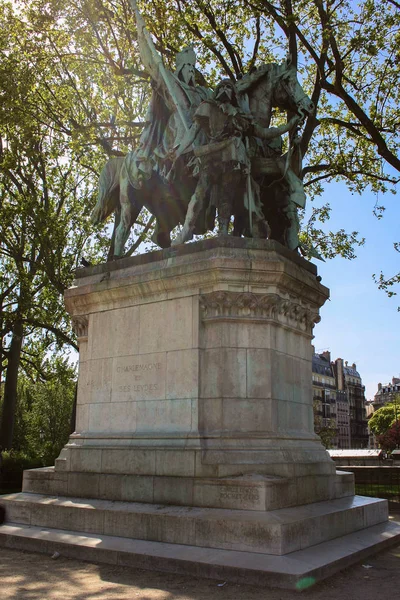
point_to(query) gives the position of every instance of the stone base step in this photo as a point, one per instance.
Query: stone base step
(275, 532)
(257, 492)
(294, 571)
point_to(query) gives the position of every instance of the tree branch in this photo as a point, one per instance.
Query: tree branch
(351, 126)
(194, 29)
(233, 54)
(141, 237)
(256, 44)
(291, 32)
(376, 137)
(57, 332)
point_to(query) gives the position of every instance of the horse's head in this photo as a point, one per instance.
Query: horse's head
(273, 85)
(287, 92)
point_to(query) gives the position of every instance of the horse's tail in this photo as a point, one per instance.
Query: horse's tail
(108, 195)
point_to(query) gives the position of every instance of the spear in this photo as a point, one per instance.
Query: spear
(141, 25)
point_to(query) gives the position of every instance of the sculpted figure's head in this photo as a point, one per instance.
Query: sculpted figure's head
(185, 66)
(225, 92)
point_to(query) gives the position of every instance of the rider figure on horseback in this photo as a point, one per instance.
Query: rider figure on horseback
(197, 156)
(223, 163)
(278, 174)
(174, 100)
(165, 124)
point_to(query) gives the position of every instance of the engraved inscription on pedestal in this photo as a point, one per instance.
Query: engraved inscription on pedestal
(242, 494)
(139, 377)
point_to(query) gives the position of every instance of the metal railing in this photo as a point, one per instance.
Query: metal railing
(377, 481)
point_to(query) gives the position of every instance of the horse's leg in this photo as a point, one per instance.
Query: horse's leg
(224, 217)
(238, 226)
(247, 210)
(195, 207)
(231, 191)
(117, 218)
(129, 213)
(162, 230)
(292, 230)
(162, 235)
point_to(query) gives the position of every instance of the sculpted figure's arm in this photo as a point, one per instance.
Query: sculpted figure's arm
(154, 66)
(188, 140)
(148, 53)
(269, 133)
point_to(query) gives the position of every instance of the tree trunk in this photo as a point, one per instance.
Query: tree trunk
(1, 350)
(10, 387)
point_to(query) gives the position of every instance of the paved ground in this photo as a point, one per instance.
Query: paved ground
(26, 576)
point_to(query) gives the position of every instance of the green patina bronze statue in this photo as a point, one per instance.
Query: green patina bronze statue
(204, 156)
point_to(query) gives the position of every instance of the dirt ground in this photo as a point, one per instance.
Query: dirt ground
(26, 576)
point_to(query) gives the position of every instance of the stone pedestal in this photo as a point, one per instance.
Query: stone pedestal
(195, 394)
(195, 380)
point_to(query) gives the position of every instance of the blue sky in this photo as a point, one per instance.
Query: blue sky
(360, 323)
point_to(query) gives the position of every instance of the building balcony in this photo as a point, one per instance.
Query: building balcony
(324, 385)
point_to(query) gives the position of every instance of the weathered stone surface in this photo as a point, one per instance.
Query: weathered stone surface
(277, 532)
(316, 562)
(181, 252)
(195, 421)
(220, 346)
(114, 333)
(170, 477)
(182, 374)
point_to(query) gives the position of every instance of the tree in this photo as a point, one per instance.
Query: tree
(44, 225)
(391, 439)
(73, 92)
(327, 433)
(382, 419)
(345, 56)
(36, 232)
(324, 426)
(47, 413)
(43, 411)
(388, 284)
(42, 417)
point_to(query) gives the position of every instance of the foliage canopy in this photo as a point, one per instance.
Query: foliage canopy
(73, 92)
(384, 417)
(87, 70)
(391, 439)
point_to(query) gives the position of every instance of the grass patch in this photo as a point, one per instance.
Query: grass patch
(377, 490)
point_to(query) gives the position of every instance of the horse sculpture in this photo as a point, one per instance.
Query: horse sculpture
(278, 175)
(167, 198)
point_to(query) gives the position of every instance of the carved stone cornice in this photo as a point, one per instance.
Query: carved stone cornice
(226, 305)
(80, 326)
(258, 271)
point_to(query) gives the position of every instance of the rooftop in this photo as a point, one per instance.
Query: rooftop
(351, 371)
(321, 365)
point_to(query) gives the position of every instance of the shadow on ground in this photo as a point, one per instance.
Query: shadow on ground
(26, 576)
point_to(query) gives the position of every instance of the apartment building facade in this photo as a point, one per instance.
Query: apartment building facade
(386, 393)
(339, 402)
